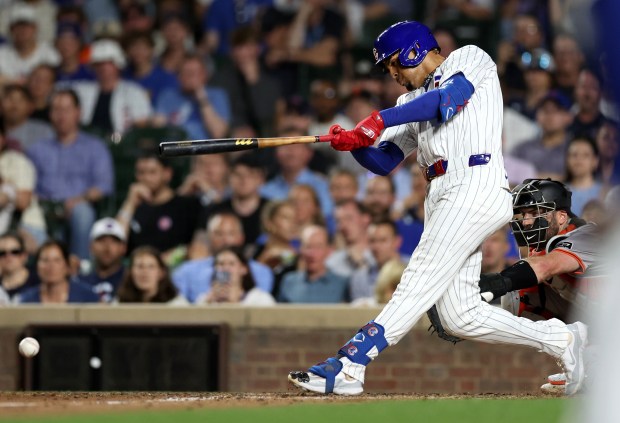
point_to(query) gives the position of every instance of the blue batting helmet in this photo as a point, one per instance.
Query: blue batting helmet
(406, 36)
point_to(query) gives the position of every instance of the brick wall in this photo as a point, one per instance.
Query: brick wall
(265, 344)
(261, 359)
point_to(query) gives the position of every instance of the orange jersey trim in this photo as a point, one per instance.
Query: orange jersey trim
(582, 265)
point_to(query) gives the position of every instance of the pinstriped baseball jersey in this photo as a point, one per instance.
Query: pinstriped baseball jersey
(476, 132)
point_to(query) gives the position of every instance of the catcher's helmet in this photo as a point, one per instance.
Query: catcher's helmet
(541, 196)
(405, 36)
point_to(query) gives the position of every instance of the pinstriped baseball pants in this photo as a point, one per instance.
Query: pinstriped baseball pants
(462, 207)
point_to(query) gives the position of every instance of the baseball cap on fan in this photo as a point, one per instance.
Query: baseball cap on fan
(22, 13)
(107, 51)
(555, 96)
(107, 227)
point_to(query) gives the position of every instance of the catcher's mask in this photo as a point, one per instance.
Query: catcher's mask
(539, 197)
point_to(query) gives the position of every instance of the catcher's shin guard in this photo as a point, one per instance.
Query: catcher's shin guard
(357, 349)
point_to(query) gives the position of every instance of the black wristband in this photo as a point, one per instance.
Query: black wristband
(521, 276)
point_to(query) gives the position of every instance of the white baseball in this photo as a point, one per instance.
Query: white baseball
(29, 347)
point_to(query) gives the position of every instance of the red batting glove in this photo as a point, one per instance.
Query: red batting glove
(364, 135)
(371, 127)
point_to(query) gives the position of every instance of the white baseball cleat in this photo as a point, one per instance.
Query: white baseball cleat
(326, 378)
(572, 360)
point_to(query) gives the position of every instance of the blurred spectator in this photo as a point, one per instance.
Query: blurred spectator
(326, 105)
(40, 86)
(538, 67)
(15, 277)
(384, 243)
(153, 214)
(135, 17)
(111, 104)
(314, 282)
(411, 222)
(277, 251)
(379, 197)
(569, 60)
(69, 43)
(44, 12)
(446, 39)
(293, 160)
(256, 96)
(74, 171)
(588, 93)
(147, 280)
(16, 109)
(608, 143)
(223, 17)
(352, 220)
(108, 245)
(203, 111)
(246, 176)
(25, 51)
(581, 165)
(326, 110)
(312, 40)
(472, 20)
(178, 42)
(143, 68)
(594, 211)
(494, 251)
(193, 277)
(307, 206)
(343, 186)
(71, 12)
(101, 11)
(208, 179)
(232, 282)
(548, 151)
(360, 104)
(517, 169)
(53, 269)
(608, 105)
(19, 208)
(388, 279)
(526, 37)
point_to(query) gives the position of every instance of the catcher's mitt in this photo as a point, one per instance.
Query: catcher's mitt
(436, 326)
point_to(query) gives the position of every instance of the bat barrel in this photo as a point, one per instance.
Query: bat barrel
(195, 147)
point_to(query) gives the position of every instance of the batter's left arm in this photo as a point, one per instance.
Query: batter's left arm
(441, 104)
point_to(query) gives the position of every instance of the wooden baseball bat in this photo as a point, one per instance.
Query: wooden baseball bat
(226, 145)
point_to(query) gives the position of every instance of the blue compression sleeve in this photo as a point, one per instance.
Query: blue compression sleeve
(441, 104)
(379, 160)
(420, 109)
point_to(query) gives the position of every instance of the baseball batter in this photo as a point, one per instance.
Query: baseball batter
(453, 117)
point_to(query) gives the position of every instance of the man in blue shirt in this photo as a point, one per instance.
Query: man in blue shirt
(293, 160)
(315, 284)
(108, 246)
(143, 69)
(204, 112)
(74, 171)
(193, 278)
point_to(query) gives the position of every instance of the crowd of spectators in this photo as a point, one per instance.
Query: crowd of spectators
(89, 212)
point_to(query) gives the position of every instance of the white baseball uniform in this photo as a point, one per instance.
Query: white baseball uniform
(462, 208)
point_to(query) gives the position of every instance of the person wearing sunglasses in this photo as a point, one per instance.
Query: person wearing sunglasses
(16, 277)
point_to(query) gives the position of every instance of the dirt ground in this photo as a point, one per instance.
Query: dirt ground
(57, 403)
